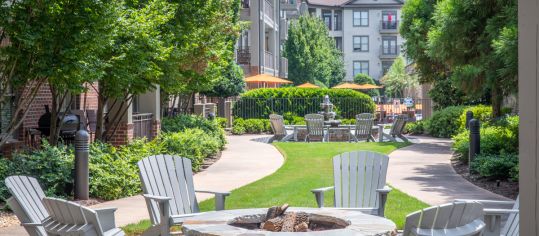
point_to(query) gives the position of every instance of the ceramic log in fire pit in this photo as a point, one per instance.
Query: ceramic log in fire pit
(291, 221)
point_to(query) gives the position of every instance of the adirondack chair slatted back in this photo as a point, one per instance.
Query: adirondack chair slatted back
(70, 213)
(357, 175)
(398, 125)
(364, 123)
(26, 201)
(277, 124)
(512, 225)
(168, 176)
(447, 216)
(315, 124)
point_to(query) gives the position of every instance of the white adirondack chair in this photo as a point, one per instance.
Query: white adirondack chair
(363, 129)
(396, 129)
(360, 182)
(493, 217)
(454, 219)
(167, 183)
(279, 129)
(72, 219)
(26, 203)
(315, 127)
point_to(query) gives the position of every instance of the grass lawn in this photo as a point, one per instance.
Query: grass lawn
(307, 166)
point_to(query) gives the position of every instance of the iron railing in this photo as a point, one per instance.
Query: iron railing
(269, 60)
(142, 125)
(390, 52)
(386, 25)
(243, 56)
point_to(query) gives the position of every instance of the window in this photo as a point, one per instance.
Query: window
(361, 67)
(361, 18)
(337, 22)
(389, 20)
(326, 17)
(338, 43)
(389, 45)
(385, 66)
(361, 43)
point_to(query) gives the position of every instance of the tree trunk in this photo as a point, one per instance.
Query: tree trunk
(102, 102)
(496, 100)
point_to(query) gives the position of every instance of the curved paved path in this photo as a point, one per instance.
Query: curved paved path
(423, 170)
(246, 159)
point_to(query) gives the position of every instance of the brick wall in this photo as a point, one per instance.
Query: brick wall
(37, 108)
(89, 99)
(123, 134)
(156, 128)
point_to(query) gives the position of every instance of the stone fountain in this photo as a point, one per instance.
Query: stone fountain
(328, 113)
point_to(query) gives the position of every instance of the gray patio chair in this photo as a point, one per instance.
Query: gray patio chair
(454, 219)
(167, 183)
(279, 129)
(396, 129)
(363, 129)
(72, 219)
(315, 127)
(26, 203)
(359, 182)
(493, 217)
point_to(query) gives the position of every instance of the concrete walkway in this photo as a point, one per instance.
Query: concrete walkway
(423, 170)
(245, 160)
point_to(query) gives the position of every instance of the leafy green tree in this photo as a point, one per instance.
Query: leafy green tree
(477, 40)
(53, 43)
(366, 79)
(231, 84)
(397, 80)
(312, 54)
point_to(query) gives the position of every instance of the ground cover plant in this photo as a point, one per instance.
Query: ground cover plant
(307, 166)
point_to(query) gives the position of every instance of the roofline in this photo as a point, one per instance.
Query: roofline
(398, 3)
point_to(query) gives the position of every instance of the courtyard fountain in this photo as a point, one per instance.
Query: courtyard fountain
(328, 113)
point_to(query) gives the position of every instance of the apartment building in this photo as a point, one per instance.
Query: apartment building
(365, 30)
(259, 49)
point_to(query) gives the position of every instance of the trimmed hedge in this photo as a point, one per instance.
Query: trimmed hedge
(250, 126)
(445, 123)
(260, 103)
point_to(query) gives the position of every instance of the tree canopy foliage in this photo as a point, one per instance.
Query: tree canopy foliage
(397, 80)
(471, 43)
(366, 79)
(312, 54)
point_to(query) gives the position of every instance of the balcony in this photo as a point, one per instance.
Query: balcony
(245, 13)
(268, 10)
(390, 52)
(283, 68)
(142, 125)
(283, 31)
(245, 3)
(389, 26)
(289, 5)
(243, 56)
(269, 60)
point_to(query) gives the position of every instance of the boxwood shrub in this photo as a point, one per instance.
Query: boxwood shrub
(250, 126)
(183, 122)
(260, 103)
(445, 123)
(502, 166)
(481, 112)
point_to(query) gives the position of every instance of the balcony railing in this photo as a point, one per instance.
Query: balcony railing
(268, 9)
(142, 125)
(269, 60)
(389, 26)
(389, 52)
(283, 69)
(243, 56)
(245, 3)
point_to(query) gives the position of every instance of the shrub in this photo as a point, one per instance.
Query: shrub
(481, 112)
(251, 126)
(221, 121)
(494, 140)
(51, 166)
(183, 122)
(444, 123)
(495, 166)
(260, 103)
(417, 127)
(194, 144)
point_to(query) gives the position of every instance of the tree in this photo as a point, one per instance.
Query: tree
(396, 80)
(477, 40)
(52, 42)
(366, 79)
(312, 54)
(230, 84)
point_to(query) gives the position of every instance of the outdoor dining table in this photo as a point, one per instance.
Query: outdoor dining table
(379, 127)
(216, 223)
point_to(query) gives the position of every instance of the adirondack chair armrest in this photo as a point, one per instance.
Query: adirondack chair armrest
(31, 224)
(106, 217)
(500, 211)
(219, 198)
(158, 199)
(509, 203)
(382, 196)
(319, 195)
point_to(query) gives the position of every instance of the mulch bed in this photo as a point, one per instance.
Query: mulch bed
(506, 188)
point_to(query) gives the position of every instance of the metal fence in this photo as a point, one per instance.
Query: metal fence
(345, 108)
(142, 125)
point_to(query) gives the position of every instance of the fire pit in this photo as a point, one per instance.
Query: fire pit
(284, 220)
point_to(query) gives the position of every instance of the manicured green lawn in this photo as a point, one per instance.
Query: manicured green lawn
(308, 166)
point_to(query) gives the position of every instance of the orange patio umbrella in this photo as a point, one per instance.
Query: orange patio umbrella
(356, 86)
(308, 85)
(265, 79)
(371, 86)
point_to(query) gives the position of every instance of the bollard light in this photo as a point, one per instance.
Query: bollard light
(82, 173)
(475, 140)
(469, 116)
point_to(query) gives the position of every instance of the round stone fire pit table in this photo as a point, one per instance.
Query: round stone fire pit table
(217, 223)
